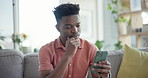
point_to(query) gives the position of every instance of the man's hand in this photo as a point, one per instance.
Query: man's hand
(103, 73)
(71, 46)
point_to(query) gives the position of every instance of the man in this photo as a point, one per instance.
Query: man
(69, 56)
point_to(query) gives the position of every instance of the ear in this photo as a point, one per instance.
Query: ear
(57, 26)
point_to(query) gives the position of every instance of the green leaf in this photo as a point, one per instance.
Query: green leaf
(123, 19)
(114, 12)
(129, 21)
(109, 6)
(2, 37)
(123, 4)
(116, 20)
(118, 45)
(0, 47)
(99, 44)
(114, 2)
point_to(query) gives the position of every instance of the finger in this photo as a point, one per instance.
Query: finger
(103, 75)
(72, 38)
(68, 38)
(105, 62)
(105, 71)
(77, 44)
(67, 41)
(75, 41)
(105, 66)
(98, 70)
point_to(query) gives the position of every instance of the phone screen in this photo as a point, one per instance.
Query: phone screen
(100, 56)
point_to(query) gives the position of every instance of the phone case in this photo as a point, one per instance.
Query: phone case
(100, 56)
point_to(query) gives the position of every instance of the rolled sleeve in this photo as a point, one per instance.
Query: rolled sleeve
(45, 59)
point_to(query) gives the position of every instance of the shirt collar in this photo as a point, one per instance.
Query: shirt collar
(60, 45)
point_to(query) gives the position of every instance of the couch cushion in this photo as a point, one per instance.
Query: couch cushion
(31, 65)
(11, 64)
(134, 64)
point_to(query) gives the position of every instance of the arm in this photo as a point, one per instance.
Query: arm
(60, 69)
(71, 47)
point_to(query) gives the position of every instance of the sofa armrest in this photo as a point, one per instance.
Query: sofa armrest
(11, 64)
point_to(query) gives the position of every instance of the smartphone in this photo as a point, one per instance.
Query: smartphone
(100, 56)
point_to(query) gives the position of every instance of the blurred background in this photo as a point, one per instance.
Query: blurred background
(29, 24)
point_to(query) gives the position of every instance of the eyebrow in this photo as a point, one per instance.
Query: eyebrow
(70, 24)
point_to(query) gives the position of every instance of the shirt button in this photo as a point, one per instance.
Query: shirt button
(69, 75)
(70, 64)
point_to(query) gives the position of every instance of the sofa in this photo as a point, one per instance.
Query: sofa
(14, 64)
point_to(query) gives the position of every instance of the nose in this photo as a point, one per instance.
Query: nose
(74, 29)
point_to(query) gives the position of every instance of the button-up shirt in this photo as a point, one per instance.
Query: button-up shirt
(51, 54)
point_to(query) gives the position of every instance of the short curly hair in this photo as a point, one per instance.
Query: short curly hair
(65, 10)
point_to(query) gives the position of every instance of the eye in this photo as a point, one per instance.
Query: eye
(67, 26)
(78, 25)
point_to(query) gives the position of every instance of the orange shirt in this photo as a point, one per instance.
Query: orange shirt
(51, 54)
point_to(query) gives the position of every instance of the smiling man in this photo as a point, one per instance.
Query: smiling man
(69, 56)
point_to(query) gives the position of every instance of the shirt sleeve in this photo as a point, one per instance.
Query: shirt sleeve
(45, 59)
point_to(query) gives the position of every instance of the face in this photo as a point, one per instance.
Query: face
(69, 26)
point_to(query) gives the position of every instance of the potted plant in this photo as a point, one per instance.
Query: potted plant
(118, 45)
(2, 42)
(19, 38)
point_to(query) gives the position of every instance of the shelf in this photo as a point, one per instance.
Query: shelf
(139, 33)
(131, 20)
(130, 12)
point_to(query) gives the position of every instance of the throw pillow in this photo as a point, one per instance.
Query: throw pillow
(134, 64)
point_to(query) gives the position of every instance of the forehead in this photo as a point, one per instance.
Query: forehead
(71, 19)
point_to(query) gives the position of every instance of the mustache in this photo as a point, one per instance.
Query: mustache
(74, 35)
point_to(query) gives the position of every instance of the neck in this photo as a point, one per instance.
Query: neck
(63, 41)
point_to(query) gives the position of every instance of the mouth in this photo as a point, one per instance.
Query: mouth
(74, 36)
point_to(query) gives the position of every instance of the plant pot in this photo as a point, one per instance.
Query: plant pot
(26, 50)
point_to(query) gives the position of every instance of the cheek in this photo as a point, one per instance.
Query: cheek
(66, 33)
(79, 30)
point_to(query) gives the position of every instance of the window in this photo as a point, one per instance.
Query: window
(37, 20)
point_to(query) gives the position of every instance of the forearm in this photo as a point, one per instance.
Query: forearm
(59, 71)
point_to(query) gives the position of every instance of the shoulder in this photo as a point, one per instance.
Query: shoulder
(47, 48)
(87, 44)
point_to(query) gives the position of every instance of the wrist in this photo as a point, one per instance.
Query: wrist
(68, 57)
(69, 54)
